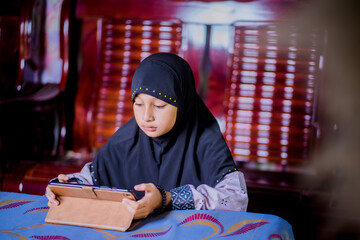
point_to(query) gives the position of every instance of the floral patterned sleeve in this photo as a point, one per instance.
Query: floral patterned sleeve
(229, 194)
(85, 176)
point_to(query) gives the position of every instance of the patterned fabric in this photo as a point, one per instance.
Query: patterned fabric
(229, 194)
(85, 176)
(182, 198)
(92, 173)
(225, 173)
(28, 213)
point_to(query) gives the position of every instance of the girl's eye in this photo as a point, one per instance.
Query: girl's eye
(159, 106)
(137, 104)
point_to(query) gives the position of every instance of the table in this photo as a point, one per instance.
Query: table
(22, 217)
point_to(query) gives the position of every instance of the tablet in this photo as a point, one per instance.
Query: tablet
(61, 189)
(90, 206)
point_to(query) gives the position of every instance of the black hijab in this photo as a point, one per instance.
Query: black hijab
(193, 152)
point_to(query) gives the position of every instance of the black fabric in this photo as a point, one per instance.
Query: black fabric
(193, 152)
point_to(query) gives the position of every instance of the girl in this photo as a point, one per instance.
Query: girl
(172, 150)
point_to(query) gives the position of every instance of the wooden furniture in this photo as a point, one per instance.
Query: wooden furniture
(120, 46)
(34, 110)
(113, 37)
(117, 35)
(33, 126)
(271, 93)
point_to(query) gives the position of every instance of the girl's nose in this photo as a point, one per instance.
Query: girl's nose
(148, 114)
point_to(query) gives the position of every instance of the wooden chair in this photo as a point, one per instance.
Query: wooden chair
(34, 109)
(120, 47)
(33, 128)
(271, 93)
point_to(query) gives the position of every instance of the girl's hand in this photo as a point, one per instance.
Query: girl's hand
(143, 207)
(50, 195)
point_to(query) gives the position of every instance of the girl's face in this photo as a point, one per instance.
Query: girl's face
(154, 116)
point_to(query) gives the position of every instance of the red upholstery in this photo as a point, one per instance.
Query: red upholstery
(271, 94)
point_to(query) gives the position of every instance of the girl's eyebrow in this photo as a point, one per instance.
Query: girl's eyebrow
(160, 103)
(138, 97)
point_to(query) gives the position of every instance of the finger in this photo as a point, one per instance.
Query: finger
(140, 215)
(131, 203)
(130, 208)
(140, 187)
(51, 197)
(53, 201)
(49, 193)
(63, 178)
(137, 205)
(147, 187)
(133, 207)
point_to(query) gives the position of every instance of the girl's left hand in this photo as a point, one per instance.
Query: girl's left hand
(143, 207)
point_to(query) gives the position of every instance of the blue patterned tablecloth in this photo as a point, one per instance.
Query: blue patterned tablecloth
(22, 216)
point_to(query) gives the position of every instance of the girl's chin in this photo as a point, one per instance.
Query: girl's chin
(151, 133)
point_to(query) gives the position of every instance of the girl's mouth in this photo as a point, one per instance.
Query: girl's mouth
(149, 128)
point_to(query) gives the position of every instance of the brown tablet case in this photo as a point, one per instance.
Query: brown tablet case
(90, 207)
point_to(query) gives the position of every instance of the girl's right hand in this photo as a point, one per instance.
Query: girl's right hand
(50, 195)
